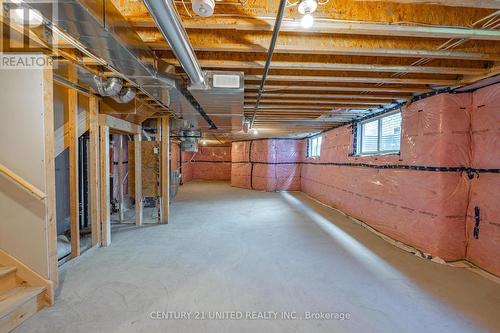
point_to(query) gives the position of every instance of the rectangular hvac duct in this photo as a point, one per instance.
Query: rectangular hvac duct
(223, 99)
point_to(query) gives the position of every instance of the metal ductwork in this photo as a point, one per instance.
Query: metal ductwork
(189, 140)
(113, 87)
(108, 87)
(100, 32)
(97, 29)
(126, 95)
(168, 22)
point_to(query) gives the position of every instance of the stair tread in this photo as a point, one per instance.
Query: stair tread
(6, 270)
(15, 297)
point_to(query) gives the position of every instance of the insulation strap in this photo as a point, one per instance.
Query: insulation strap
(195, 161)
(251, 164)
(470, 171)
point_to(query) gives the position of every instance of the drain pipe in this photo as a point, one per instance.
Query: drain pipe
(276, 30)
(167, 20)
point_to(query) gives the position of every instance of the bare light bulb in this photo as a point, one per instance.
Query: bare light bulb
(204, 142)
(254, 131)
(307, 21)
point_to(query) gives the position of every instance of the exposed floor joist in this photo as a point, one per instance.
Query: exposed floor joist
(235, 64)
(347, 28)
(358, 54)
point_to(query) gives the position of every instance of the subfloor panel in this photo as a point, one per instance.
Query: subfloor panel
(230, 249)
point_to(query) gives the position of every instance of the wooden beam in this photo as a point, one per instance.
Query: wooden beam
(119, 124)
(94, 170)
(313, 102)
(165, 170)
(322, 44)
(345, 28)
(304, 107)
(50, 179)
(270, 87)
(367, 52)
(385, 98)
(236, 64)
(370, 29)
(495, 70)
(350, 79)
(302, 120)
(74, 206)
(105, 197)
(492, 4)
(121, 198)
(343, 11)
(138, 179)
(343, 51)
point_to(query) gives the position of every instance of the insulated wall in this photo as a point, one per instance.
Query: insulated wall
(423, 208)
(240, 168)
(209, 163)
(440, 194)
(187, 167)
(268, 165)
(114, 148)
(483, 248)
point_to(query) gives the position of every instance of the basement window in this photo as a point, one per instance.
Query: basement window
(314, 146)
(380, 135)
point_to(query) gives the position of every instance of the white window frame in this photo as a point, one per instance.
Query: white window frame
(359, 141)
(310, 145)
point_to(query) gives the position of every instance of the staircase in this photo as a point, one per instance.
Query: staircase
(18, 300)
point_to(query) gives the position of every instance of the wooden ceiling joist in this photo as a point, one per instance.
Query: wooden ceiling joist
(312, 101)
(358, 56)
(350, 79)
(293, 96)
(234, 64)
(492, 4)
(303, 107)
(258, 42)
(346, 51)
(270, 87)
(345, 28)
(443, 12)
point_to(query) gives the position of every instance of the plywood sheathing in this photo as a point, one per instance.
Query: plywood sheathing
(149, 169)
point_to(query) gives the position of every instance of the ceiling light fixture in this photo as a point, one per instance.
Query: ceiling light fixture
(307, 21)
(203, 8)
(306, 8)
(254, 131)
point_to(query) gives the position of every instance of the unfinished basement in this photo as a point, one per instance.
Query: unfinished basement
(249, 166)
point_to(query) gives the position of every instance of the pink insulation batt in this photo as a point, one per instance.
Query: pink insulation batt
(421, 208)
(485, 191)
(276, 164)
(432, 210)
(212, 163)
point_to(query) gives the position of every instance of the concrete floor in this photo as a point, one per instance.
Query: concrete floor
(228, 249)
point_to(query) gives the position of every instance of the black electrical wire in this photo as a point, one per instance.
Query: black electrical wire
(276, 30)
